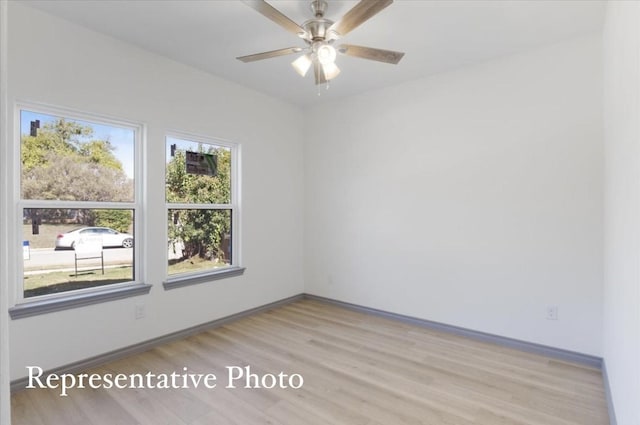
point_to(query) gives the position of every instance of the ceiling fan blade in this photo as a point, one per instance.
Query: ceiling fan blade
(270, 54)
(319, 73)
(276, 16)
(380, 55)
(360, 13)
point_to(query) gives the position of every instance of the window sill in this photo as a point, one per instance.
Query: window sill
(195, 279)
(38, 307)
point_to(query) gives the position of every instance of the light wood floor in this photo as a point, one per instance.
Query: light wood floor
(358, 369)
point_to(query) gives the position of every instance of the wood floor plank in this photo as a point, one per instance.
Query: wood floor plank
(358, 369)
(470, 376)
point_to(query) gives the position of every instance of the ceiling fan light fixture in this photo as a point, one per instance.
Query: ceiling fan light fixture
(330, 70)
(302, 65)
(319, 34)
(326, 54)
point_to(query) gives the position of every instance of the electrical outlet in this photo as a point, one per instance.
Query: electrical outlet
(552, 312)
(139, 311)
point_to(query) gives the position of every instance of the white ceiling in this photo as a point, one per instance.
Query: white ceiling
(436, 35)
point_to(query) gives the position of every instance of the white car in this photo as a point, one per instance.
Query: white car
(110, 238)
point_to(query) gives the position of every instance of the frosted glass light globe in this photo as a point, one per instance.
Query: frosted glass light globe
(326, 54)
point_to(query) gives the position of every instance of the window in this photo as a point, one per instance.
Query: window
(78, 203)
(202, 209)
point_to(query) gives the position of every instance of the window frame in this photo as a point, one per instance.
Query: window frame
(24, 307)
(235, 268)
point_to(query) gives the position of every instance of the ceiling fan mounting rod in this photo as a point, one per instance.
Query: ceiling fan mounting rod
(318, 7)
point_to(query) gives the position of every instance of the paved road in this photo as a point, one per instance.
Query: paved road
(43, 258)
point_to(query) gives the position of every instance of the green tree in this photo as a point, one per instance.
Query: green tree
(119, 220)
(63, 162)
(201, 231)
(100, 152)
(69, 178)
(52, 138)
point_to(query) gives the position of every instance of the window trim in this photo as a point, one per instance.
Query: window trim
(78, 298)
(194, 278)
(235, 268)
(41, 304)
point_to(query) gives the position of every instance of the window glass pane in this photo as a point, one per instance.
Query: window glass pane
(199, 240)
(65, 249)
(70, 160)
(197, 173)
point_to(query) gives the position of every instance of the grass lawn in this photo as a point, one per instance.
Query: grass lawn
(54, 282)
(194, 264)
(68, 263)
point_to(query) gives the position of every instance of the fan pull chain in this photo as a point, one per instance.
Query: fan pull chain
(326, 87)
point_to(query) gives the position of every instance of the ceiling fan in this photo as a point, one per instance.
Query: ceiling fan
(319, 34)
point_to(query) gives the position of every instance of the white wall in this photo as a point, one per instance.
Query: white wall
(622, 207)
(5, 408)
(55, 62)
(472, 198)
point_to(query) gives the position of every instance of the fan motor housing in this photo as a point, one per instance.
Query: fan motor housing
(317, 28)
